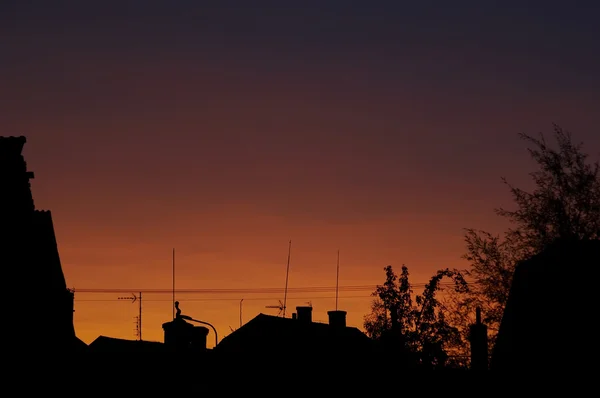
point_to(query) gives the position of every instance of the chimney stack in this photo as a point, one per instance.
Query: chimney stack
(479, 343)
(181, 336)
(304, 314)
(337, 318)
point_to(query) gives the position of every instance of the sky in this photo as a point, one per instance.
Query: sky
(225, 129)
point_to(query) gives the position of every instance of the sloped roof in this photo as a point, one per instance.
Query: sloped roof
(79, 344)
(59, 343)
(552, 296)
(272, 333)
(111, 344)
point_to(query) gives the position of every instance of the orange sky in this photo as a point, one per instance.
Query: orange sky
(381, 132)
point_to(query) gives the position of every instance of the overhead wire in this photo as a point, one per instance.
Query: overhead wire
(232, 299)
(239, 292)
(267, 290)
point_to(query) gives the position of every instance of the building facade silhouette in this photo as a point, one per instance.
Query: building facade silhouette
(545, 326)
(43, 318)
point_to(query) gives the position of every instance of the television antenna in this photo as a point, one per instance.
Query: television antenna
(138, 319)
(280, 307)
(137, 330)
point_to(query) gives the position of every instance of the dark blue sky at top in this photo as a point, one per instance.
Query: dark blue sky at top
(431, 45)
(440, 43)
(564, 32)
(537, 42)
(443, 45)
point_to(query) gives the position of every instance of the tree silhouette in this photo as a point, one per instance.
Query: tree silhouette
(566, 201)
(420, 326)
(564, 205)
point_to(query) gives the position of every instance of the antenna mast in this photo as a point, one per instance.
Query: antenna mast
(287, 274)
(337, 280)
(140, 318)
(173, 263)
(137, 327)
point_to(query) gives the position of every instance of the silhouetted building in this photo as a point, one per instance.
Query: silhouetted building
(180, 337)
(268, 336)
(552, 297)
(123, 346)
(30, 256)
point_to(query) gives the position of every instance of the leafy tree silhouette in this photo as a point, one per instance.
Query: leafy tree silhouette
(419, 327)
(564, 205)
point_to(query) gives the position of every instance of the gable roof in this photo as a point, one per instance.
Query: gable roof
(111, 344)
(273, 333)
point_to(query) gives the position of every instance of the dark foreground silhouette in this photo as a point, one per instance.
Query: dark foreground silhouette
(547, 322)
(30, 256)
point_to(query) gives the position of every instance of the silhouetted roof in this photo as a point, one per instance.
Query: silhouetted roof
(267, 333)
(111, 344)
(552, 296)
(12, 144)
(79, 344)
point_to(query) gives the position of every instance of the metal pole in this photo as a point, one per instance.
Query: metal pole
(241, 301)
(140, 316)
(173, 263)
(337, 280)
(287, 274)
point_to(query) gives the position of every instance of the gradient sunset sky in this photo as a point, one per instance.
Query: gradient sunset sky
(224, 129)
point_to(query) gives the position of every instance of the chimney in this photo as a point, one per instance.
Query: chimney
(479, 343)
(337, 318)
(181, 336)
(304, 314)
(198, 336)
(293, 315)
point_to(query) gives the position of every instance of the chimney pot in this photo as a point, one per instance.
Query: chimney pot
(293, 315)
(337, 318)
(304, 314)
(181, 335)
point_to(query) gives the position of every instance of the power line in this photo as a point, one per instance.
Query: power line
(220, 291)
(233, 299)
(350, 288)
